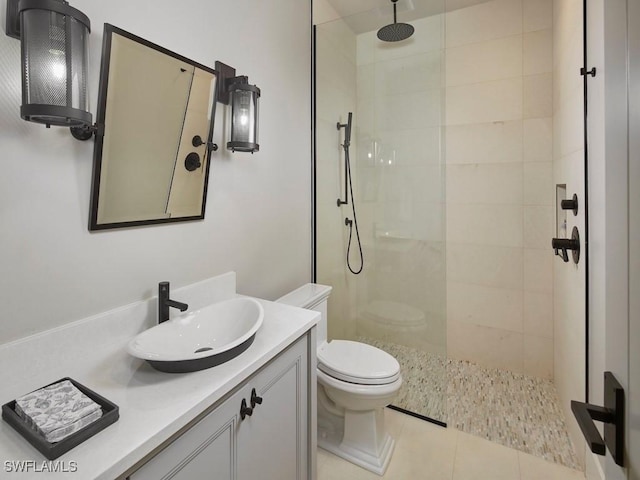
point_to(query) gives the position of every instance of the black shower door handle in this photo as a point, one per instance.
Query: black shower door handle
(612, 414)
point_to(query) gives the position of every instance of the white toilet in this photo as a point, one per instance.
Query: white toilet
(355, 382)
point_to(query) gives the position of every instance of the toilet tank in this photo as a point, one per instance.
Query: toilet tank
(312, 296)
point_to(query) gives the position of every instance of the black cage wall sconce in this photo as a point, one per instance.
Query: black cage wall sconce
(54, 41)
(244, 100)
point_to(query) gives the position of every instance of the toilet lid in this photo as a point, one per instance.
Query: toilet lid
(356, 362)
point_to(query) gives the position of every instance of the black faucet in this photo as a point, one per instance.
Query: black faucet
(164, 302)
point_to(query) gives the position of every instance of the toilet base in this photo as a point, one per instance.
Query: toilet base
(370, 448)
(377, 465)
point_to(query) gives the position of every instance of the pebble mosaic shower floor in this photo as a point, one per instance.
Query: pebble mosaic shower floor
(515, 410)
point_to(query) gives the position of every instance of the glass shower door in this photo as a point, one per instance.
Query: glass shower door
(398, 302)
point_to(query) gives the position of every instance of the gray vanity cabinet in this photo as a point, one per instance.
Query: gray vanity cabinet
(273, 442)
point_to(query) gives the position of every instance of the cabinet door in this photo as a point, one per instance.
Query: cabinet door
(273, 441)
(205, 452)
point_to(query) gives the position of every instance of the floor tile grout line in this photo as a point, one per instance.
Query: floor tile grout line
(519, 465)
(455, 456)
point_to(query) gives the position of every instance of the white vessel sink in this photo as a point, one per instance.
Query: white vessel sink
(200, 339)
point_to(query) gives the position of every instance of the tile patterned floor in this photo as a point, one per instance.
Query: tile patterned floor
(514, 410)
(426, 451)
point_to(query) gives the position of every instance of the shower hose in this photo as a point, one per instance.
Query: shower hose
(352, 223)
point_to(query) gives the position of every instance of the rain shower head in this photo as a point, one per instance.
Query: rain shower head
(395, 31)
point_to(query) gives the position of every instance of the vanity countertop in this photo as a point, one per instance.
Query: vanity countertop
(153, 405)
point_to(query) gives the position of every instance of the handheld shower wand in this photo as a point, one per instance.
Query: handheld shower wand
(348, 190)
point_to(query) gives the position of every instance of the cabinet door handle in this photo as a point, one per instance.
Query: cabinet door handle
(255, 399)
(244, 410)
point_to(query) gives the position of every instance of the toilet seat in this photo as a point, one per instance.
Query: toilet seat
(358, 363)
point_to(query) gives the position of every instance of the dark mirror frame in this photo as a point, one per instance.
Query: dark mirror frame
(109, 30)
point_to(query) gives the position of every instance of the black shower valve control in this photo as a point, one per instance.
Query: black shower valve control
(561, 246)
(347, 222)
(570, 204)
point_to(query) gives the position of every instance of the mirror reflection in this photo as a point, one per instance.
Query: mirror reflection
(154, 141)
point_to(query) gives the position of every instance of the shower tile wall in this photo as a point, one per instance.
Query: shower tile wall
(336, 97)
(474, 284)
(499, 108)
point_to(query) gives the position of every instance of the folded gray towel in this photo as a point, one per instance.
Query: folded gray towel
(58, 410)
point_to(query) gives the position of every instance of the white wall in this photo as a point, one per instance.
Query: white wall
(258, 206)
(568, 156)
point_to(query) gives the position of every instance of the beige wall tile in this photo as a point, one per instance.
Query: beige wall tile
(409, 110)
(538, 270)
(538, 184)
(538, 96)
(365, 114)
(489, 347)
(499, 100)
(484, 61)
(366, 82)
(485, 184)
(493, 19)
(338, 35)
(498, 308)
(419, 187)
(415, 147)
(485, 224)
(538, 140)
(538, 356)
(538, 314)
(427, 186)
(568, 132)
(538, 226)
(537, 14)
(365, 48)
(498, 142)
(410, 74)
(538, 52)
(485, 265)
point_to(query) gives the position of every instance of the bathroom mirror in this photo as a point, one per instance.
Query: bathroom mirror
(154, 138)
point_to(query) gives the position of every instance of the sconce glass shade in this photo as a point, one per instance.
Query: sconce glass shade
(54, 38)
(244, 101)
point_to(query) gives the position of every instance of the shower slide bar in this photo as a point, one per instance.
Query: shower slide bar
(345, 146)
(348, 190)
